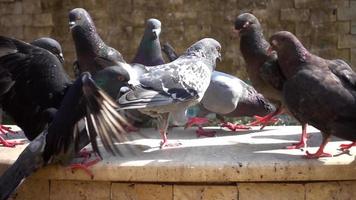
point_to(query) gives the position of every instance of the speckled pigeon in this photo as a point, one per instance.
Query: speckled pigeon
(88, 44)
(169, 89)
(317, 91)
(63, 138)
(263, 68)
(228, 96)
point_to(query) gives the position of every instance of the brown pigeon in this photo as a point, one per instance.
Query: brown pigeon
(263, 68)
(317, 91)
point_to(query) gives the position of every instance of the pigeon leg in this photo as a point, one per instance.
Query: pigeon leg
(303, 139)
(163, 127)
(320, 153)
(84, 166)
(266, 119)
(201, 132)
(130, 128)
(6, 143)
(233, 127)
(196, 121)
(5, 130)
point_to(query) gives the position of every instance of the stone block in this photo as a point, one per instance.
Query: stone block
(11, 8)
(353, 27)
(31, 6)
(291, 14)
(42, 20)
(343, 27)
(270, 191)
(13, 31)
(330, 190)
(31, 33)
(32, 189)
(319, 16)
(347, 13)
(89, 190)
(321, 4)
(182, 192)
(347, 41)
(15, 20)
(124, 191)
(281, 4)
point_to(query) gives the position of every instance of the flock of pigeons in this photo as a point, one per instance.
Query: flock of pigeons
(110, 96)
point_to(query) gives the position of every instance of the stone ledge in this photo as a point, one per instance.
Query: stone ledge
(249, 156)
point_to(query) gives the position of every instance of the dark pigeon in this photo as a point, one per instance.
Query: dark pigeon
(88, 44)
(37, 83)
(169, 89)
(317, 91)
(63, 138)
(263, 68)
(227, 96)
(50, 45)
(149, 52)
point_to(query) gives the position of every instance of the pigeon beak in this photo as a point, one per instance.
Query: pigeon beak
(270, 51)
(156, 32)
(219, 58)
(61, 58)
(71, 24)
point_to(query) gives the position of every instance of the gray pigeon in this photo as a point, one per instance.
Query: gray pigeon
(88, 44)
(169, 89)
(228, 96)
(149, 52)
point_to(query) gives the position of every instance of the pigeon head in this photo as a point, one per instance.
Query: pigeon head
(153, 28)
(245, 23)
(112, 80)
(287, 45)
(79, 17)
(291, 52)
(50, 45)
(208, 48)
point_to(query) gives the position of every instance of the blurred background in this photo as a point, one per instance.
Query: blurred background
(326, 27)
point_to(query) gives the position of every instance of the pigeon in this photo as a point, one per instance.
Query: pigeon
(317, 91)
(228, 96)
(263, 68)
(38, 84)
(149, 52)
(88, 44)
(169, 89)
(62, 139)
(50, 45)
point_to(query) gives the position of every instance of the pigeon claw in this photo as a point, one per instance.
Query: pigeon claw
(234, 127)
(318, 154)
(196, 121)
(201, 132)
(166, 144)
(84, 165)
(5, 130)
(347, 146)
(6, 143)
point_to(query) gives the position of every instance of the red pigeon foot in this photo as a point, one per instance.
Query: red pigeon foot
(347, 146)
(166, 144)
(196, 121)
(5, 130)
(84, 166)
(264, 121)
(317, 155)
(201, 132)
(233, 127)
(130, 129)
(6, 143)
(303, 139)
